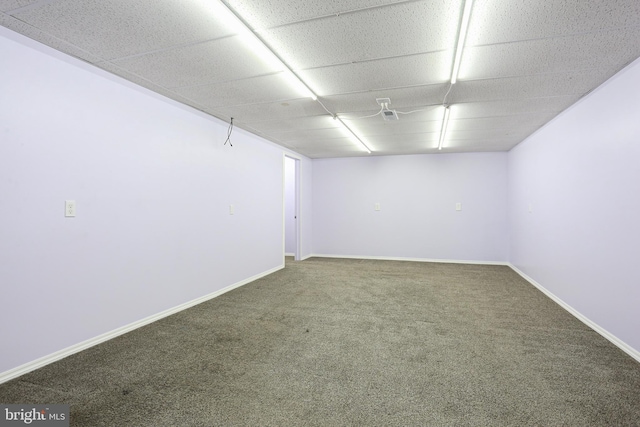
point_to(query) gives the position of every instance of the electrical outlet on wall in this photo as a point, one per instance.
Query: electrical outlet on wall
(376, 206)
(458, 206)
(69, 208)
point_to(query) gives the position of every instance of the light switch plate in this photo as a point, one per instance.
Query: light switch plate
(458, 206)
(377, 206)
(232, 209)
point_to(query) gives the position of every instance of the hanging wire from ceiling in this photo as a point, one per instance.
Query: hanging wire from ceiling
(229, 130)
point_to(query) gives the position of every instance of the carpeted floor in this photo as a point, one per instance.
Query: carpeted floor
(332, 342)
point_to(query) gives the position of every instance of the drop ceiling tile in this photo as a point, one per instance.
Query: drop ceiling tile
(410, 70)
(9, 5)
(506, 107)
(464, 146)
(300, 123)
(342, 151)
(214, 61)
(324, 143)
(499, 21)
(487, 134)
(399, 127)
(266, 14)
(288, 110)
(396, 30)
(42, 37)
(526, 87)
(405, 99)
(607, 50)
(113, 28)
(311, 134)
(255, 90)
(382, 140)
(513, 122)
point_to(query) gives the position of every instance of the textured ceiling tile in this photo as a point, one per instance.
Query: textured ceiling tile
(412, 70)
(499, 21)
(608, 50)
(311, 134)
(514, 122)
(325, 143)
(271, 88)
(42, 37)
(383, 140)
(214, 61)
(394, 128)
(117, 28)
(401, 99)
(8, 5)
(301, 123)
(287, 110)
(266, 14)
(372, 34)
(506, 107)
(524, 87)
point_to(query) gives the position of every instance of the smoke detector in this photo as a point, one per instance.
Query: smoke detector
(387, 113)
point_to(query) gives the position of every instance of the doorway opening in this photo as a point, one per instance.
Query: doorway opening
(292, 207)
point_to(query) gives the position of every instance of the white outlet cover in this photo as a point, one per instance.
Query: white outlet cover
(377, 206)
(458, 206)
(232, 209)
(70, 208)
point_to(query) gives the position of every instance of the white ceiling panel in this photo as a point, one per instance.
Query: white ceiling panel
(271, 13)
(411, 70)
(9, 5)
(524, 87)
(117, 28)
(311, 134)
(274, 87)
(499, 21)
(394, 127)
(301, 123)
(505, 107)
(513, 122)
(525, 61)
(396, 30)
(571, 53)
(214, 61)
(401, 99)
(383, 140)
(287, 110)
(46, 38)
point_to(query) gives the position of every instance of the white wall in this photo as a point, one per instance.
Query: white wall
(290, 205)
(153, 184)
(581, 175)
(417, 217)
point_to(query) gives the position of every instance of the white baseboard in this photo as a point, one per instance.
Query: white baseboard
(606, 334)
(38, 363)
(289, 254)
(385, 258)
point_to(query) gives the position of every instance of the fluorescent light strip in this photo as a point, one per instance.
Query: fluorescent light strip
(354, 134)
(443, 130)
(462, 35)
(260, 48)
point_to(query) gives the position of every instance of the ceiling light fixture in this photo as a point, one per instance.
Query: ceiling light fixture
(262, 49)
(354, 134)
(462, 35)
(443, 130)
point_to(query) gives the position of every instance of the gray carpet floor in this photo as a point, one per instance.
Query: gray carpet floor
(334, 342)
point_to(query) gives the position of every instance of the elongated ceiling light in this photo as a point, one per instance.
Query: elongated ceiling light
(443, 130)
(462, 35)
(262, 50)
(354, 134)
